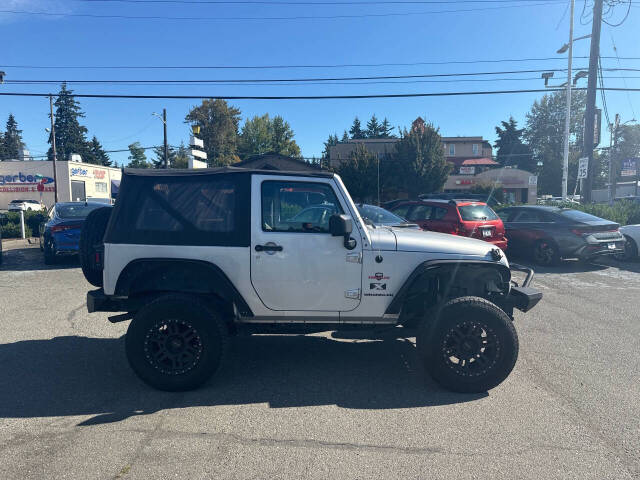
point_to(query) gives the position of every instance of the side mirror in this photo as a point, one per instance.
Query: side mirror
(342, 226)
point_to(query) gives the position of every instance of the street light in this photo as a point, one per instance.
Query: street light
(567, 121)
(163, 119)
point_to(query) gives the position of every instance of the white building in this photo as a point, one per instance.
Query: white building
(76, 182)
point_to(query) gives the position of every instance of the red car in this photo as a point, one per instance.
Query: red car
(466, 218)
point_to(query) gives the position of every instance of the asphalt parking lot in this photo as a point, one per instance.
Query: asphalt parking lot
(319, 406)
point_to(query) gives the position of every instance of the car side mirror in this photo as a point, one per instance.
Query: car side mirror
(340, 225)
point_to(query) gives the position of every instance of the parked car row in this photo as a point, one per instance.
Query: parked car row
(544, 233)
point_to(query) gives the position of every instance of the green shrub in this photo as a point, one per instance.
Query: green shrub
(12, 230)
(34, 220)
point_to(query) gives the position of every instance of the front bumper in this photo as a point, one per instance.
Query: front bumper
(523, 297)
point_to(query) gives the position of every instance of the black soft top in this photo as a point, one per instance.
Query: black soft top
(184, 172)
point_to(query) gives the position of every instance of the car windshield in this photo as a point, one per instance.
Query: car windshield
(380, 216)
(473, 213)
(17, 201)
(75, 211)
(578, 216)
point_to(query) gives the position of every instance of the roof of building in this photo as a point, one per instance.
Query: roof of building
(467, 162)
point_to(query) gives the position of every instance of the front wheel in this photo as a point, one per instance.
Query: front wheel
(176, 343)
(471, 346)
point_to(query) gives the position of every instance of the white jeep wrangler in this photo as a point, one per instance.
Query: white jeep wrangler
(195, 256)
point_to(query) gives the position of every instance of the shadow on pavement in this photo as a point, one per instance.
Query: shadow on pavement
(90, 376)
(31, 258)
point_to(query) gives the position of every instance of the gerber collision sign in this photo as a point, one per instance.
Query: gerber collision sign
(22, 182)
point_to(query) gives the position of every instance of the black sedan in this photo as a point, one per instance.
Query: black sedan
(548, 234)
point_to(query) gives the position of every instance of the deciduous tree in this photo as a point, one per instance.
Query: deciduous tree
(219, 123)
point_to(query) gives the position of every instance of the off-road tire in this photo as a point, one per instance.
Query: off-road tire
(482, 332)
(176, 343)
(91, 237)
(546, 253)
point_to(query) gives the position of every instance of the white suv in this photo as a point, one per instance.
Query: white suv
(193, 257)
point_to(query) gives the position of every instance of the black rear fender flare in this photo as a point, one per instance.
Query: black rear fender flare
(158, 275)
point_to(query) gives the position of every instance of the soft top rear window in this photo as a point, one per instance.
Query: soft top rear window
(476, 213)
(210, 210)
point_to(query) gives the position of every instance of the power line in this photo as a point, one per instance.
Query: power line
(260, 67)
(108, 151)
(624, 82)
(327, 79)
(604, 99)
(307, 97)
(262, 18)
(309, 3)
(296, 80)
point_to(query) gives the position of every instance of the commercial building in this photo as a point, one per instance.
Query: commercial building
(76, 181)
(518, 186)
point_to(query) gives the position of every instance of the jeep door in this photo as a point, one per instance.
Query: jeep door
(296, 264)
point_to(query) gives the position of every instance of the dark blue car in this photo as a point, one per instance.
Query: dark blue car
(60, 235)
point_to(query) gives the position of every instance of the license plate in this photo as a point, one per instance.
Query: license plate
(611, 246)
(486, 232)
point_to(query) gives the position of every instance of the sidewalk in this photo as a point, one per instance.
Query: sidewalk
(13, 243)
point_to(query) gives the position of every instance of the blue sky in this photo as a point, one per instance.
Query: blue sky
(437, 32)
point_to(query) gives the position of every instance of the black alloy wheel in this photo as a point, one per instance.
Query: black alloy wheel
(470, 348)
(545, 253)
(173, 346)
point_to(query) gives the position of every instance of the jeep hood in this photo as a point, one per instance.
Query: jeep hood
(408, 240)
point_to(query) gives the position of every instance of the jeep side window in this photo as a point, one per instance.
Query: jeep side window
(303, 207)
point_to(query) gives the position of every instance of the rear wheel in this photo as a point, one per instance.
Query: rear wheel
(176, 343)
(546, 253)
(91, 236)
(472, 345)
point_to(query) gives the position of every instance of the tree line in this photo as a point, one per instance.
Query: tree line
(224, 141)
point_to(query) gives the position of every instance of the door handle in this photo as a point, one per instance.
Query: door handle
(268, 248)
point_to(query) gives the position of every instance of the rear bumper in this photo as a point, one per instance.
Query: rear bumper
(599, 249)
(501, 244)
(97, 301)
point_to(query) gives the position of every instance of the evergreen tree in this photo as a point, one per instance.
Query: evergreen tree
(331, 141)
(345, 137)
(356, 130)
(219, 123)
(95, 154)
(420, 161)
(158, 151)
(137, 158)
(386, 130)
(2, 154)
(181, 159)
(511, 150)
(70, 135)
(373, 127)
(11, 140)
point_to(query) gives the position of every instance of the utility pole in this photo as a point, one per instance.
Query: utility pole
(589, 117)
(53, 147)
(613, 145)
(567, 120)
(166, 147)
